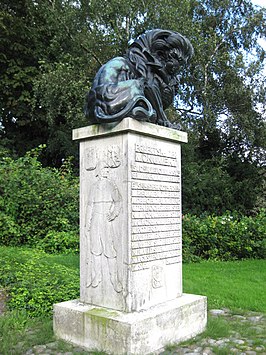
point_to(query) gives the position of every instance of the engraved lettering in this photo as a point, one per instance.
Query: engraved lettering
(154, 159)
(155, 170)
(154, 150)
(147, 265)
(156, 201)
(161, 194)
(174, 260)
(147, 176)
(155, 222)
(155, 214)
(155, 256)
(156, 218)
(150, 229)
(153, 208)
(154, 186)
(155, 242)
(155, 249)
(152, 235)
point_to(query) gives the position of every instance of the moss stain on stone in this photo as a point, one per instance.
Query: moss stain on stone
(102, 312)
(101, 316)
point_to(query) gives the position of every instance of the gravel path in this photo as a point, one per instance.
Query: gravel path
(233, 344)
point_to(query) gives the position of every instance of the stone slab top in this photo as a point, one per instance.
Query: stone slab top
(129, 124)
(185, 300)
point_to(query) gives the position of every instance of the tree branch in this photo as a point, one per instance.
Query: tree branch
(73, 39)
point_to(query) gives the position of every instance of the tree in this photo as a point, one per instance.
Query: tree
(51, 50)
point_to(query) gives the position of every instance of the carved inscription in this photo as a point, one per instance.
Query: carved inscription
(156, 219)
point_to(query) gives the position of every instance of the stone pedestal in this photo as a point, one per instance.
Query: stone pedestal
(131, 299)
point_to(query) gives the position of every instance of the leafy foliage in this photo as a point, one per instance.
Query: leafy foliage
(51, 50)
(217, 185)
(34, 201)
(34, 283)
(59, 243)
(227, 237)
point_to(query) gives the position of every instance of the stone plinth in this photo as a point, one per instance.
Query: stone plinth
(135, 333)
(130, 242)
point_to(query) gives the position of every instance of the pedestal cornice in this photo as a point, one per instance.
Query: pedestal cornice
(129, 125)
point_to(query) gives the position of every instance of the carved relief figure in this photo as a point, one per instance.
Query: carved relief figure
(90, 158)
(104, 206)
(157, 276)
(142, 83)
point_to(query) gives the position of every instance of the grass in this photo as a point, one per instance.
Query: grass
(68, 260)
(230, 328)
(18, 332)
(237, 285)
(22, 254)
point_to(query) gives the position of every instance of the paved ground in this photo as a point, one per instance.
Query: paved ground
(235, 343)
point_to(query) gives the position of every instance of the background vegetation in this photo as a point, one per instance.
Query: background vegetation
(38, 206)
(51, 50)
(226, 237)
(39, 209)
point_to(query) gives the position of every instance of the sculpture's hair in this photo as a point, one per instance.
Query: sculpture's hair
(143, 83)
(142, 50)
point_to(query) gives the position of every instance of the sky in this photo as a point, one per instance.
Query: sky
(261, 41)
(259, 2)
(262, 3)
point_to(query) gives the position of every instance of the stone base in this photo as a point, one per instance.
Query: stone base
(144, 332)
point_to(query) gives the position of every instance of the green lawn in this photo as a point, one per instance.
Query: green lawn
(235, 284)
(238, 285)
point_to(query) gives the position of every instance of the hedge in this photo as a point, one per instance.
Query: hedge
(227, 237)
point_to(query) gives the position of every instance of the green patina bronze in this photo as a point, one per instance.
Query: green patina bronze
(142, 83)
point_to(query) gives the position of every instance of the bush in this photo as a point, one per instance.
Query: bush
(34, 283)
(227, 237)
(9, 230)
(35, 200)
(59, 243)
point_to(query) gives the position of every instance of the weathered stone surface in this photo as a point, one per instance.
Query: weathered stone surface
(127, 125)
(130, 333)
(217, 312)
(131, 299)
(130, 215)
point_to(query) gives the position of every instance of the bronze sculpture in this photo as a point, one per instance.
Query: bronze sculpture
(142, 83)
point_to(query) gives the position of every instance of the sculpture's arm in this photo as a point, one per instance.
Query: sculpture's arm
(116, 204)
(88, 214)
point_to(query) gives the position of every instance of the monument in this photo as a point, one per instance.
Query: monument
(131, 297)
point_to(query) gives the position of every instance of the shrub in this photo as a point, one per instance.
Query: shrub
(35, 200)
(9, 230)
(226, 237)
(59, 243)
(34, 283)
